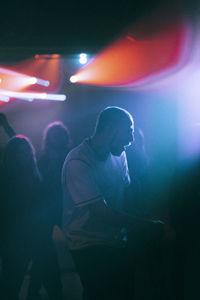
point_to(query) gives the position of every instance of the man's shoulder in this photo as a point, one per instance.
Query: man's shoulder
(80, 152)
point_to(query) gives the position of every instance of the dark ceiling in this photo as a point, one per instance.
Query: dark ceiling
(69, 26)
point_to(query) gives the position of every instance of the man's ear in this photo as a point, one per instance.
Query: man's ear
(111, 131)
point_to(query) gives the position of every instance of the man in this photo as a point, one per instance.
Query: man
(95, 177)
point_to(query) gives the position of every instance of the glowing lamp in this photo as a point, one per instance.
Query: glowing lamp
(73, 79)
(32, 80)
(83, 58)
(43, 82)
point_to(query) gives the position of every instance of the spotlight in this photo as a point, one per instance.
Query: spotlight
(42, 82)
(32, 80)
(83, 55)
(73, 79)
(25, 78)
(83, 58)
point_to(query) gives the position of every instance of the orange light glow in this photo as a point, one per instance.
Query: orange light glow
(14, 80)
(146, 49)
(29, 75)
(23, 74)
(47, 56)
(51, 71)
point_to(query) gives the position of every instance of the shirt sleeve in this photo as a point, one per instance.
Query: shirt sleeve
(80, 183)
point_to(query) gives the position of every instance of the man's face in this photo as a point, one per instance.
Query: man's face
(122, 138)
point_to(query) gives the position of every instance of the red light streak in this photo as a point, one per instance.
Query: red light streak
(151, 47)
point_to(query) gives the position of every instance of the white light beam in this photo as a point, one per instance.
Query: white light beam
(35, 96)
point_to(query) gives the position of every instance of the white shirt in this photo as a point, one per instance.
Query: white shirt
(86, 180)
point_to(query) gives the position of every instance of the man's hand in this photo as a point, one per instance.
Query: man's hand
(6, 126)
(158, 222)
(157, 228)
(3, 120)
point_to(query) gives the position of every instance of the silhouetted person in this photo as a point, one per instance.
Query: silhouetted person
(56, 143)
(20, 217)
(55, 147)
(45, 269)
(95, 177)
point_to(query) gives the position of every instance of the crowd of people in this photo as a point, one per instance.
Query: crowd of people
(97, 195)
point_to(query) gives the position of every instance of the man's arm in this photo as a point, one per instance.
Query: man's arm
(117, 218)
(85, 192)
(4, 123)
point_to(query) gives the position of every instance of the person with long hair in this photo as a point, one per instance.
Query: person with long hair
(55, 146)
(20, 217)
